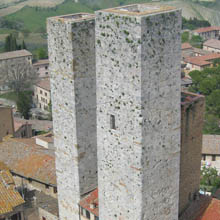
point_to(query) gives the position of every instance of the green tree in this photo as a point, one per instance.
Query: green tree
(196, 41)
(209, 179)
(23, 46)
(211, 124)
(50, 111)
(24, 103)
(41, 53)
(185, 37)
(7, 44)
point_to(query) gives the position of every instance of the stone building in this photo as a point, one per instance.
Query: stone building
(42, 96)
(192, 112)
(211, 151)
(207, 33)
(42, 68)
(6, 122)
(73, 89)
(212, 45)
(130, 86)
(10, 59)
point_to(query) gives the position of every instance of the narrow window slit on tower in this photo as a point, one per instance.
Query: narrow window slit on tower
(112, 122)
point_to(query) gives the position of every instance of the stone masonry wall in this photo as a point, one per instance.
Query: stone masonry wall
(71, 41)
(138, 89)
(191, 148)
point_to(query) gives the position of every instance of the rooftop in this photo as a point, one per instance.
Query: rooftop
(24, 157)
(90, 202)
(211, 144)
(9, 197)
(74, 17)
(14, 54)
(140, 9)
(207, 29)
(212, 43)
(188, 98)
(202, 60)
(41, 62)
(44, 84)
(185, 46)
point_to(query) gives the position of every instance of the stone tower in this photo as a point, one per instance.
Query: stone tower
(138, 58)
(71, 41)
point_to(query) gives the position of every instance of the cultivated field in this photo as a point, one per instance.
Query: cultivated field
(15, 5)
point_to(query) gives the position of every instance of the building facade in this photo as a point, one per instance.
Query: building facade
(42, 68)
(192, 115)
(138, 56)
(71, 42)
(6, 122)
(42, 96)
(212, 45)
(207, 33)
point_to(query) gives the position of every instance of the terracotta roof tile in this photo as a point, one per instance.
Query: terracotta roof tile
(202, 60)
(212, 212)
(25, 158)
(44, 84)
(9, 198)
(186, 46)
(91, 198)
(207, 29)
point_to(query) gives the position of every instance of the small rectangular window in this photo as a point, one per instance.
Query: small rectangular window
(55, 189)
(204, 157)
(87, 214)
(112, 122)
(213, 158)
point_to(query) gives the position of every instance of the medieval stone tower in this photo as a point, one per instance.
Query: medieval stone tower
(73, 81)
(138, 112)
(115, 81)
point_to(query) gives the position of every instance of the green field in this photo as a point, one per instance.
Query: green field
(34, 18)
(12, 96)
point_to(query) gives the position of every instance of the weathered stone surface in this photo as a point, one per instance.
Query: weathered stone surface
(138, 82)
(192, 116)
(71, 41)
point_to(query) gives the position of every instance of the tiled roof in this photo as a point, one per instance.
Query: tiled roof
(27, 159)
(186, 46)
(202, 60)
(14, 54)
(9, 198)
(207, 29)
(212, 212)
(212, 43)
(41, 62)
(44, 84)
(91, 199)
(211, 144)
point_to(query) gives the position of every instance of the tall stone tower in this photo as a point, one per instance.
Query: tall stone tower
(71, 41)
(138, 59)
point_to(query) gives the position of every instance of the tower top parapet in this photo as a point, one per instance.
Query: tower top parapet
(140, 9)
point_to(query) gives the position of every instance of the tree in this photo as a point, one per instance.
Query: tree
(23, 46)
(18, 76)
(41, 53)
(185, 37)
(209, 178)
(24, 104)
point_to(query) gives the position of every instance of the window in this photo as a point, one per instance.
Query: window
(46, 67)
(41, 92)
(55, 190)
(87, 214)
(45, 94)
(112, 122)
(46, 73)
(213, 157)
(96, 218)
(204, 157)
(43, 218)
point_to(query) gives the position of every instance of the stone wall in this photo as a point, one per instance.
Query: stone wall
(6, 122)
(44, 214)
(192, 114)
(71, 41)
(138, 58)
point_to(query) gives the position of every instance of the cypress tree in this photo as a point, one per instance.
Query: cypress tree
(7, 44)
